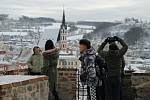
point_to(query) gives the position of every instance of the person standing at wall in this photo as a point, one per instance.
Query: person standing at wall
(35, 62)
(114, 60)
(51, 55)
(88, 71)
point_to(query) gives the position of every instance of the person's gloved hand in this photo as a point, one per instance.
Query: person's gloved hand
(107, 40)
(116, 38)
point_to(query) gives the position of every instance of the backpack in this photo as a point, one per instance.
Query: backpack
(101, 67)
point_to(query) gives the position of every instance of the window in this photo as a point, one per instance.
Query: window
(76, 63)
(65, 62)
(59, 62)
(68, 63)
(71, 63)
(62, 63)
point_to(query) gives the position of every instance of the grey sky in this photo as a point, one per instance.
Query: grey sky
(101, 10)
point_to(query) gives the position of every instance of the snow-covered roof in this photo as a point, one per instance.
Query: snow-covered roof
(53, 26)
(64, 52)
(75, 37)
(86, 26)
(4, 63)
(14, 33)
(67, 57)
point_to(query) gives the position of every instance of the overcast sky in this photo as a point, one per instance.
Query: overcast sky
(100, 10)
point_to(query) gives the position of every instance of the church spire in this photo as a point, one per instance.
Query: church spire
(62, 36)
(64, 18)
(63, 25)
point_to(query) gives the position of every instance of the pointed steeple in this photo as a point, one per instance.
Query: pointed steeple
(61, 39)
(64, 18)
(63, 25)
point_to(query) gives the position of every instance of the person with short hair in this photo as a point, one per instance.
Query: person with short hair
(35, 62)
(88, 71)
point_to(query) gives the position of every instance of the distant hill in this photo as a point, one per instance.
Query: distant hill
(36, 20)
(97, 24)
(100, 27)
(135, 34)
(131, 33)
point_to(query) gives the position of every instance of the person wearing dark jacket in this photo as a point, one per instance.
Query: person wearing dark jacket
(51, 55)
(88, 72)
(114, 60)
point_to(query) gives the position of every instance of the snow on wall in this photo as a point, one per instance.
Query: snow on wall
(8, 79)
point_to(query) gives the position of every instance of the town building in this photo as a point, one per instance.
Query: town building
(67, 56)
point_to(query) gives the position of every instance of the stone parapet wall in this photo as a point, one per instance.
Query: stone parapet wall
(127, 90)
(136, 86)
(34, 88)
(15, 72)
(67, 81)
(141, 85)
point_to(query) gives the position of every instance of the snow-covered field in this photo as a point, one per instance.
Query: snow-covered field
(14, 33)
(75, 37)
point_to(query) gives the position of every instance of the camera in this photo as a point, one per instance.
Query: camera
(112, 39)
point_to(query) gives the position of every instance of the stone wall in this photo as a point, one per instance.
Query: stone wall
(136, 86)
(67, 83)
(127, 90)
(15, 72)
(23, 87)
(141, 84)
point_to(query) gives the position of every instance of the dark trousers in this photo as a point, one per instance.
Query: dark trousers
(113, 88)
(101, 91)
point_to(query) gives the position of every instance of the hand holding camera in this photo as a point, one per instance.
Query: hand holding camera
(112, 39)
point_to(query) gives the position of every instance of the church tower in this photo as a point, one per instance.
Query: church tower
(62, 36)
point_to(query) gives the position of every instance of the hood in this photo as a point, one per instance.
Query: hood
(113, 52)
(90, 51)
(113, 46)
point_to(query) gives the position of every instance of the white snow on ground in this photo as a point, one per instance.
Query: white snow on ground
(75, 37)
(48, 34)
(14, 33)
(4, 62)
(134, 67)
(86, 26)
(8, 79)
(53, 26)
